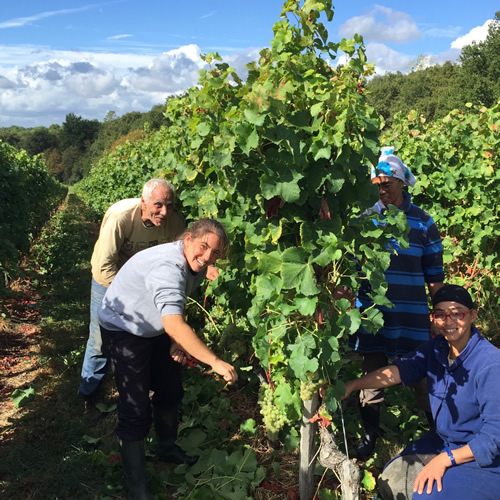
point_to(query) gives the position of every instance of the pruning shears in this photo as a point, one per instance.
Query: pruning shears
(193, 363)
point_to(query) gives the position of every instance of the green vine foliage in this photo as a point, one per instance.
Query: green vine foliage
(28, 195)
(121, 173)
(456, 162)
(281, 159)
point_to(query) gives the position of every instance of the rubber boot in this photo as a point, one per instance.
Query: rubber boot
(165, 422)
(134, 465)
(370, 415)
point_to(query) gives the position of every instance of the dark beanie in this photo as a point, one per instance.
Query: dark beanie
(453, 293)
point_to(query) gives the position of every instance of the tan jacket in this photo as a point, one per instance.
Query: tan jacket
(123, 234)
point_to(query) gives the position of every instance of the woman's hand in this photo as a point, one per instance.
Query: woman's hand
(179, 355)
(227, 371)
(212, 273)
(433, 471)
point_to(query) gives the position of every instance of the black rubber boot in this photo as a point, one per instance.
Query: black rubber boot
(165, 422)
(370, 415)
(134, 465)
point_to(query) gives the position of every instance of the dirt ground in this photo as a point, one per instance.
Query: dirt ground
(19, 348)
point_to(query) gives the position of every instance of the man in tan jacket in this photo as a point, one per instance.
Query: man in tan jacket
(128, 226)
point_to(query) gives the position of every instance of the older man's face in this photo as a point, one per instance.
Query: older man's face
(158, 207)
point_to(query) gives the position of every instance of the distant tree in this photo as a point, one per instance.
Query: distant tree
(55, 129)
(37, 140)
(110, 115)
(72, 158)
(12, 135)
(436, 90)
(428, 91)
(478, 81)
(117, 130)
(156, 117)
(55, 165)
(133, 136)
(383, 93)
(72, 148)
(78, 132)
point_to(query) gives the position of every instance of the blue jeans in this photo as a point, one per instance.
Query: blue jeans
(95, 364)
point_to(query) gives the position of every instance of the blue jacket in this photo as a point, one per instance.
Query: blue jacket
(464, 397)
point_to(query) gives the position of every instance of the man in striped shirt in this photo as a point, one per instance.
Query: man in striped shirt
(407, 323)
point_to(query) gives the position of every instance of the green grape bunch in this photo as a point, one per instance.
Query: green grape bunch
(309, 388)
(273, 417)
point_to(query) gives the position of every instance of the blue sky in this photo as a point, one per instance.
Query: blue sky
(88, 58)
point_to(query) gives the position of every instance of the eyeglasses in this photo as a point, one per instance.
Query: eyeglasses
(440, 317)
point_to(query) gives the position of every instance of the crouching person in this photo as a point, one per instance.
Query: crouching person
(460, 458)
(147, 340)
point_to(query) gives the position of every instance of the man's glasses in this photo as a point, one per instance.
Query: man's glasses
(440, 317)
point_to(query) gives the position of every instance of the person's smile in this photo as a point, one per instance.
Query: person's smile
(202, 252)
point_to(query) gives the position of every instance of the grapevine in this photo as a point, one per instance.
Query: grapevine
(28, 196)
(282, 161)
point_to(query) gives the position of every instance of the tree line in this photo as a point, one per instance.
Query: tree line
(70, 149)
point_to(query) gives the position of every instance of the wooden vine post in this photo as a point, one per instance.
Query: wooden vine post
(307, 449)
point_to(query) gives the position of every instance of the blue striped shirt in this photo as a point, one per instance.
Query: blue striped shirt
(407, 324)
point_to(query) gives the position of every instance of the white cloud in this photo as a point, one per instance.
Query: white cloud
(210, 14)
(19, 22)
(448, 32)
(386, 59)
(91, 85)
(23, 55)
(172, 72)
(477, 34)
(389, 60)
(119, 37)
(5, 83)
(39, 86)
(448, 55)
(382, 24)
(238, 60)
